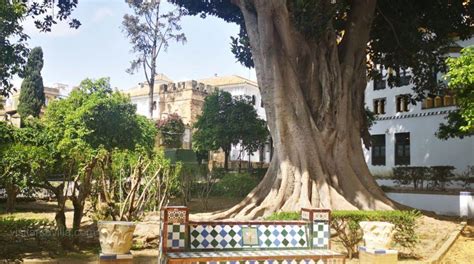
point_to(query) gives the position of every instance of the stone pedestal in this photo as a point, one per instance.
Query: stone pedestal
(377, 239)
(377, 256)
(116, 239)
(115, 259)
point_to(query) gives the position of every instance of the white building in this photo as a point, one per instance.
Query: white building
(404, 134)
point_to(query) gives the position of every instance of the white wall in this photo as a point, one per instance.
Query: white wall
(425, 148)
(438, 203)
(141, 103)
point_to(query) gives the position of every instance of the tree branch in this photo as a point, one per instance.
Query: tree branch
(357, 31)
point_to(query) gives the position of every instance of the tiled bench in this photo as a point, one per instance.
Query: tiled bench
(247, 242)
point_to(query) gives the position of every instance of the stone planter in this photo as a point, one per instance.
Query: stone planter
(377, 235)
(115, 237)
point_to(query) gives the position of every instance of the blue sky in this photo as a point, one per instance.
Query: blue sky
(99, 48)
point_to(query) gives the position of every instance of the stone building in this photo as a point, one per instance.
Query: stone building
(187, 99)
(10, 105)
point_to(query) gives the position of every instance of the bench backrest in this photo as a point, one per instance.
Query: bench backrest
(179, 234)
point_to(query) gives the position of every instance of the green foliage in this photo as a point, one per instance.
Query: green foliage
(226, 121)
(395, 42)
(406, 175)
(460, 78)
(213, 127)
(235, 185)
(26, 159)
(95, 117)
(32, 89)
(438, 176)
(8, 225)
(286, 216)
(349, 233)
(13, 44)
(171, 131)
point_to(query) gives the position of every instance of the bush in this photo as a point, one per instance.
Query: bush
(12, 229)
(406, 175)
(235, 185)
(348, 232)
(441, 176)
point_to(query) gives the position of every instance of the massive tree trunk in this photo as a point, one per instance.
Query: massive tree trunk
(313, 92)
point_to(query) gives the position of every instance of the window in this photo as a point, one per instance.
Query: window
(379, 106)
(261, 103)
(402, 149)
(405, 80)
(378, 149)
(154, 105)
(379, 84)
(253, 100)
(402, 103)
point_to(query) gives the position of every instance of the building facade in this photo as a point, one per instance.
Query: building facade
(186, 99)
(404, 134)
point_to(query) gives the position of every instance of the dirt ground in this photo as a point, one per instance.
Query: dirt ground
(432, 233)
(463, 249)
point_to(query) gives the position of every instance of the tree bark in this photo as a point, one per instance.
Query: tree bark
(12, 191)
(314, 94)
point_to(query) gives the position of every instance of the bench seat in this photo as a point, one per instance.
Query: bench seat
(256, 255)
(305, 241)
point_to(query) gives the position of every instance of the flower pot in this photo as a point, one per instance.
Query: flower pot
(115, 237)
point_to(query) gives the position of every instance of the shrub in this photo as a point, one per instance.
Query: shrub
(235, 185)
(406, 175)
(12, 229)
(441, 176)
(349, 233)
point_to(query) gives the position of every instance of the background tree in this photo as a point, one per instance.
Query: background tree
(214, 127)
(227, 121)
(32, 89)
(250, 130)
(13, 41)
(24, 160)
(150, 32)
(311, 62)
(88, 127)
(171, 131)
(460, 78)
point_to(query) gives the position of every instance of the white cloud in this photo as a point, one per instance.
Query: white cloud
(102, 13)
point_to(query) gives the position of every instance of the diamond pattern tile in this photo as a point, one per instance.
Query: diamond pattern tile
(215, 236)
(282, 236)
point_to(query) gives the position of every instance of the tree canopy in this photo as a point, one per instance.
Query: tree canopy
(32, 96)
(396, 42)
(226, 121)
(460, 78)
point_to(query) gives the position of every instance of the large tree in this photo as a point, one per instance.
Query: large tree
(311, 58)
(150, 32)
(32, 89)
